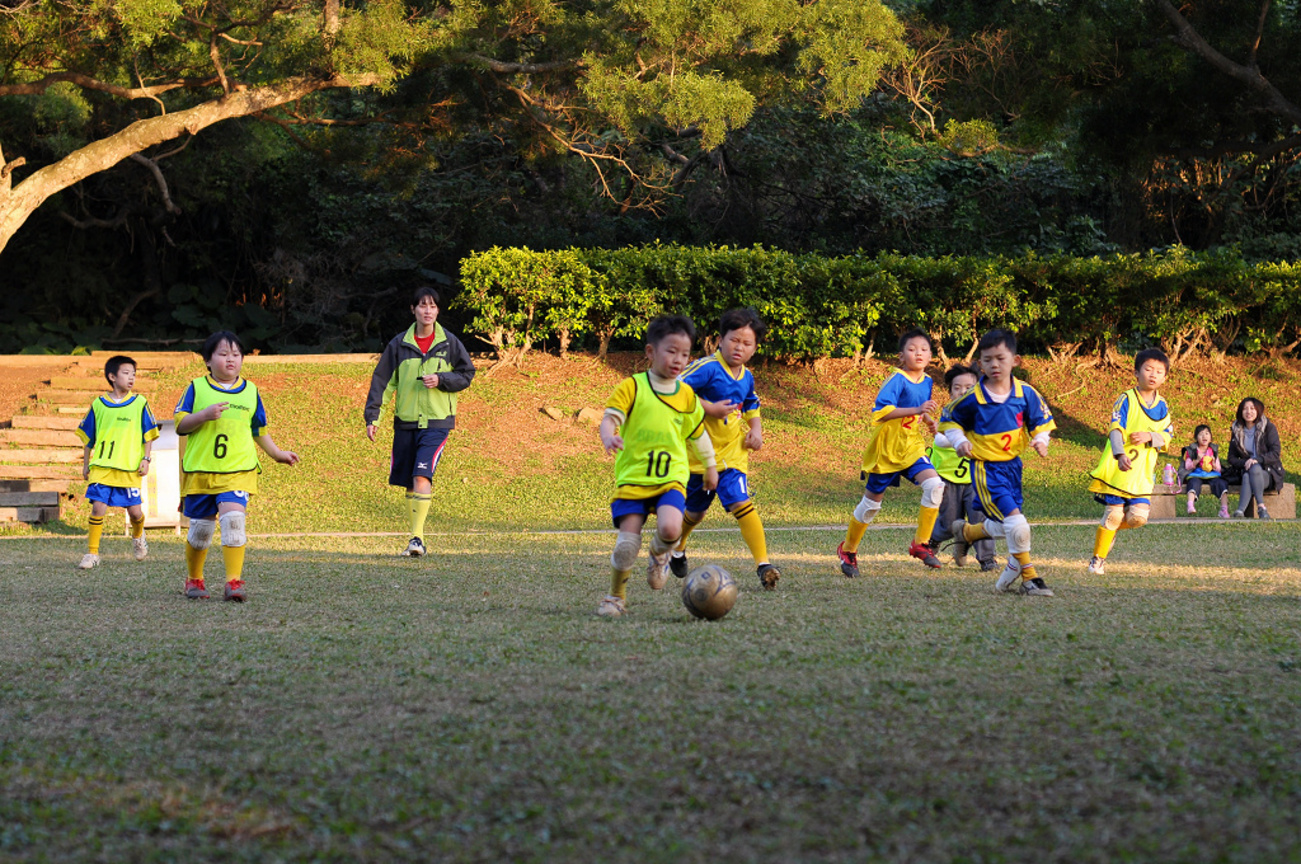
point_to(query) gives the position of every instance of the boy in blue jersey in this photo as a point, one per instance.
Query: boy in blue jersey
(119, 432)
(224, 421)
(959, 501)
(726, 391)
(1140, 429)
(896, 448)
(994, 423)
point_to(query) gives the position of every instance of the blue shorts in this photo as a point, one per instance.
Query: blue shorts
(205, 506)
(415, 454)
(1120, 500)
(113, 496)
(621, 507)
(998, 487)
(878, 483)
(732, 489)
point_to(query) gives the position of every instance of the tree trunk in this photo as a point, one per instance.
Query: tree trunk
(21, 201)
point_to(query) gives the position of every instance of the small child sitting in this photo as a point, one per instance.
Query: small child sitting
(1201, 464)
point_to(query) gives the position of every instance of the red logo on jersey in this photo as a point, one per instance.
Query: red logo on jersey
(1020, 419)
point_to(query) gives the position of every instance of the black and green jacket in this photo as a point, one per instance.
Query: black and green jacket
(399, 371)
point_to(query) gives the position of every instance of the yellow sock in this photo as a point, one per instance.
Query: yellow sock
(972, 532)
(419, 502)
(619, 583)
(96, 530)
(926, 518)
(854, 535)
(1027, 569)
(137, 528)
(1102, 541)
(689, 525)
(752, 531)
(194, 559)
(233, 556)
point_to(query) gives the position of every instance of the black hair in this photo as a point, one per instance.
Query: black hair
(739, 319)
(996, 337)
(1260, 409)
(915, 333)
(426, 291)
(1151, 354)
(958, 369)
(1198, 430)
(212, 342)
(116, 362)
(669, 325)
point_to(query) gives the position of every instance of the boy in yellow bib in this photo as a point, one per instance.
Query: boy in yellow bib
(119, 432)
(222, 417)
(1140, 429)
(648, 423)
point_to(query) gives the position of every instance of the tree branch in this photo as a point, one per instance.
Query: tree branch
(160, 180)
(36, 88)
(94, 222)
(527, 68)
(1260, 32)
(1186, 36)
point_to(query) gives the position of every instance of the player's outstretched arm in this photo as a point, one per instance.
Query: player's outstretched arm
(284, 457)
(610, 440)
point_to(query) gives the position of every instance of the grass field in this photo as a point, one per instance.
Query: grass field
(469, 706)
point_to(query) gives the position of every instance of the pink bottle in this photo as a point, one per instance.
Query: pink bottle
(1168, 475)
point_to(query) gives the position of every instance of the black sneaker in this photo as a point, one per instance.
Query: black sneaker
(1036, 588)
(768, 576)
(989, 565)
(678, 565)
(848, 561)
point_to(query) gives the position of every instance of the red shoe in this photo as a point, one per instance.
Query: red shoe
(195, 590)
(848, 561)
(925, 554)
(235, 591)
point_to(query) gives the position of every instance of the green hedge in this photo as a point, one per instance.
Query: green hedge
(827, 307)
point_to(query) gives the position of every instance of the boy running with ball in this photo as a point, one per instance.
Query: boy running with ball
(648, 423)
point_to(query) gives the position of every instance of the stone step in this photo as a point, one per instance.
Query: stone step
(82, 383)
(29, 499)
(78, 410)
(39, 457)
(301, 359)
(40, 438)
(59, 487)
(40, 472)
(38, 421)
(28, 514)
(69, 397)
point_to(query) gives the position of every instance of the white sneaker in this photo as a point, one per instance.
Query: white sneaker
(140, 546)
(657, 571)
(88, 561)
(610, 607)
(1036, 588)
(415, 548)
(1010, 579)
(1097, 566)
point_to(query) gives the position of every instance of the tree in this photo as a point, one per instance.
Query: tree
(599, 79)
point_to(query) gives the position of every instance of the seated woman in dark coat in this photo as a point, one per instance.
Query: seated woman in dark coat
(1255, 456)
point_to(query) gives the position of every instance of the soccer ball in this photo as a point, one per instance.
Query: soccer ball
(709, 592)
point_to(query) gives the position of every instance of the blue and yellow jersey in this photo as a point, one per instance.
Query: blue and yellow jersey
(116, 433)
(948, 464)
(1130, 415)
(655, 430)
(894, 445)
(1000, 432)
(220, 455)
(712, 379)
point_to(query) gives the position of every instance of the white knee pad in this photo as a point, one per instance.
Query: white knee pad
(200, 536)
(1136, 515)
(866, 510)
(997, 530)
(1112, 516)
(932, 492)
(626, 547)
(1018, 533)
(232, 529)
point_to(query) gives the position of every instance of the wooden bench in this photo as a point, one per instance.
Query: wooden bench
(1168, 502)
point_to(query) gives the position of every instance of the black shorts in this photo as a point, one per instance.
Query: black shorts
(415, 454)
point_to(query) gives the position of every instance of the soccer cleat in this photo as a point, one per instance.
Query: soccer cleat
(848, 561)
(1097, 566)
(657, 570)
(924, 553)
(415, 548)
(195, 590)
(958, 528)
(140, 547)
(768, 576)
(234, 591)
(678, 565)
(611, 607)
(989, 565)
(1010, 579)
(1036, 588)
(89, 560)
